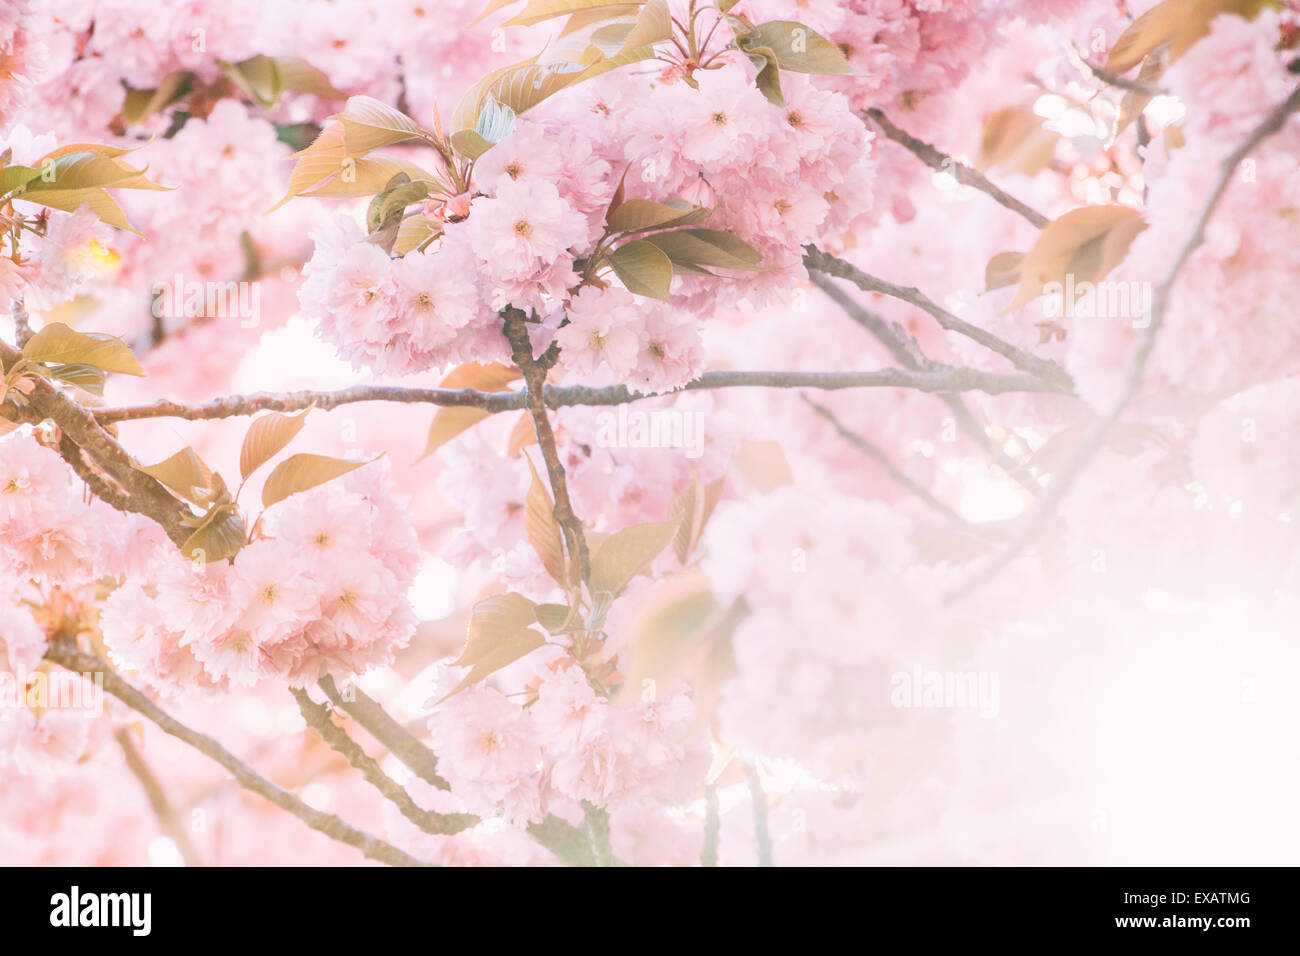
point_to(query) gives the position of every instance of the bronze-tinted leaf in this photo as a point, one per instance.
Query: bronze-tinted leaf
(539, 11)
(653, 25)
(302, 472)
(1003, 270)
(449, 422)
(543, 530)
(184, 473)
(489, 377)
(499, 634)
(1177, 24)
(626, 553)
(266, 437)
(1085, 243)
(300, 76)
(369, 124)
(694, 505)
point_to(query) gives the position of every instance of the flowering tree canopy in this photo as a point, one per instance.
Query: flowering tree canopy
(656, 432)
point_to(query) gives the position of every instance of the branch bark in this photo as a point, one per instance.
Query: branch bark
(69, 656)
(943, 163)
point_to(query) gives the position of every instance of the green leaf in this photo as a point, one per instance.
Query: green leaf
(469, 143)
(626, 553)
(302, 472)
(184, 473)
(15, 177)
(387, 208)
(56, 343)
(707, 247)
(638, 215)
(768, 78)
(554, 616)
(141, 104)
(220, 536)
(300, 76)
(266, 437)
(643, 268)
(258, 76)
(499, 634)
(798, 48)
(694, 506)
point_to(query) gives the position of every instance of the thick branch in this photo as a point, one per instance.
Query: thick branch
(943, 163)
(938, 378)
(67, 655)
(535, 383)
(559, 836)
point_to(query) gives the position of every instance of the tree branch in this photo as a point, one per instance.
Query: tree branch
(1046, 369)
(69, 656)
(318, 718)
(881, 459)
(535, 384)
(1034, 522)
(157, 796)
(943, 163)
(759, 798)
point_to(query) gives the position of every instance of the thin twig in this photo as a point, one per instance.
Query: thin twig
(712, 827)
(762, 836)
(22, 330)
(940, 378)
(820, 261)
(67, 655)
(880, 458)
(559, 836)
(1114, 79)
(943, 163)
(319, 719)
(157, 797)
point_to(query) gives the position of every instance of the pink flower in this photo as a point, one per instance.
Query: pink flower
(604, 327)
(274, 594)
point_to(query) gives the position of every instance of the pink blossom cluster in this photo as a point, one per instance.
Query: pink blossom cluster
(323, 592)
(568, 746)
